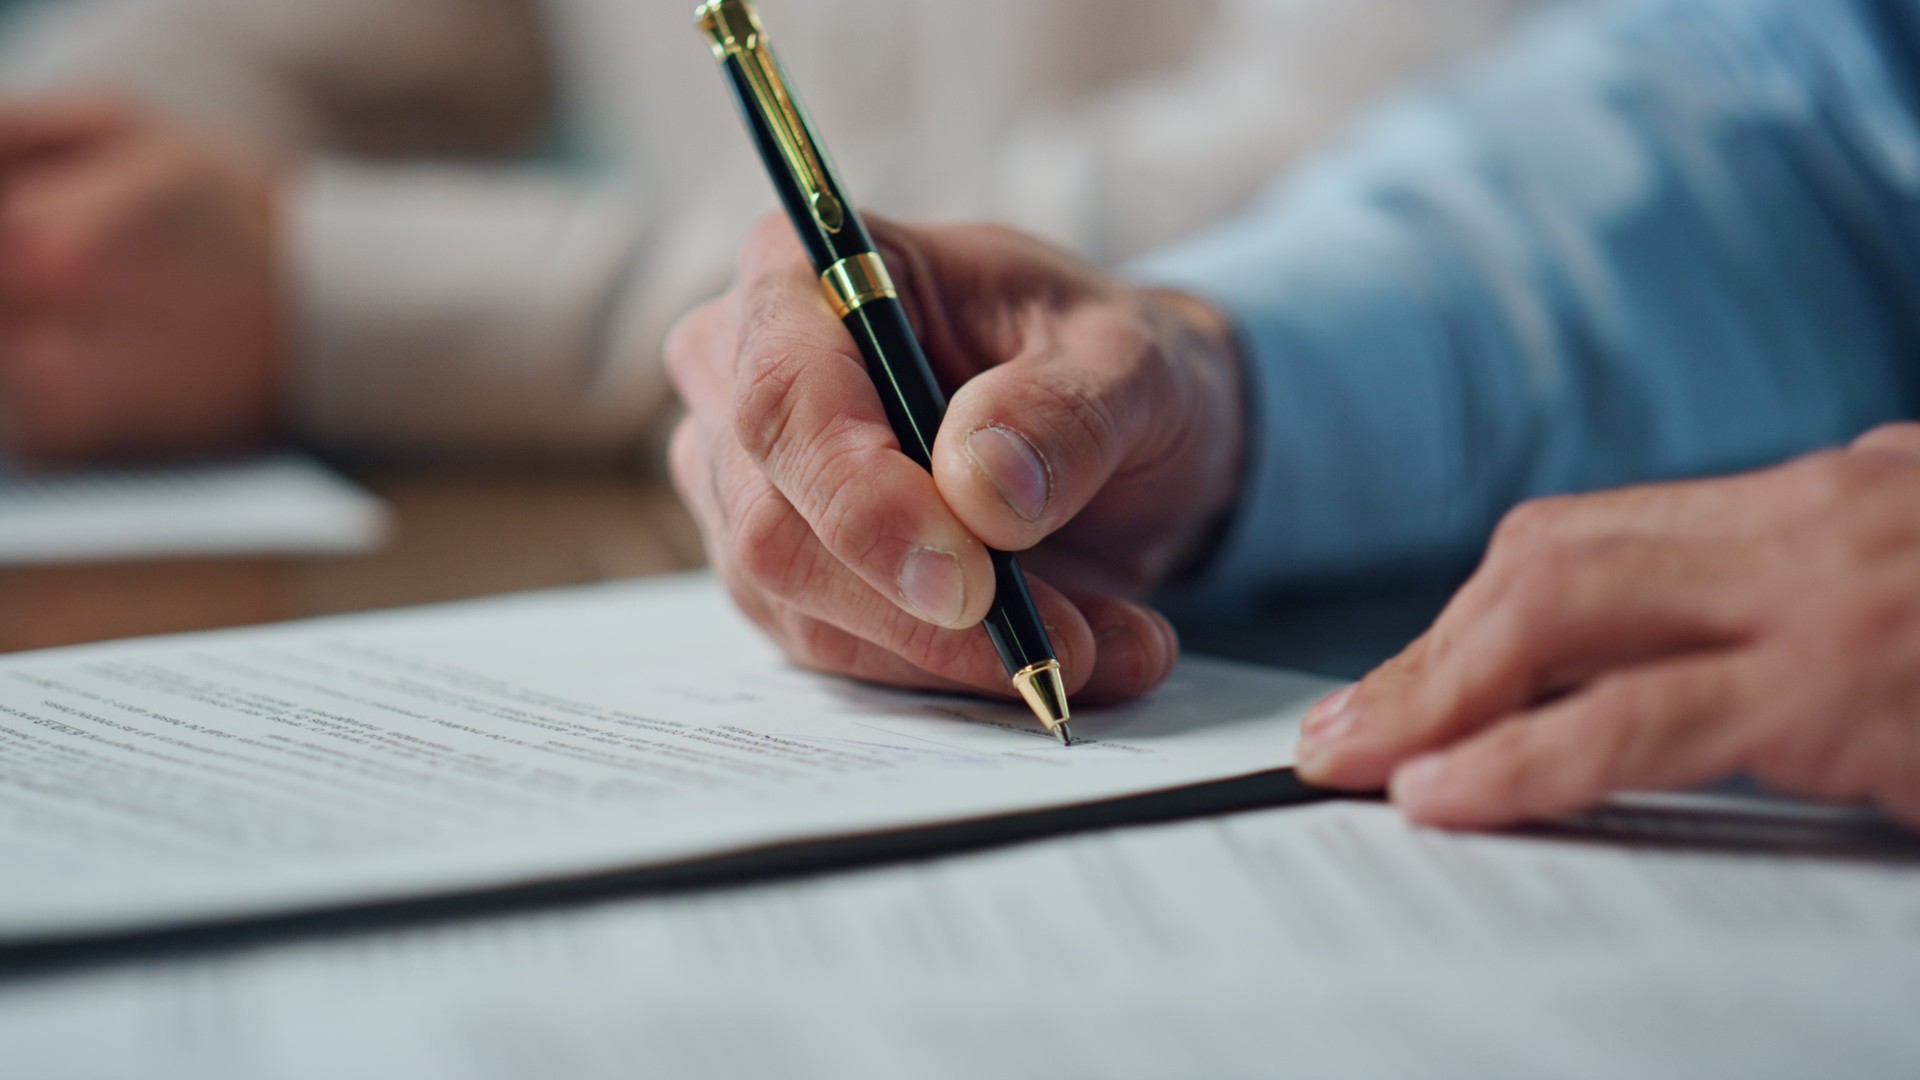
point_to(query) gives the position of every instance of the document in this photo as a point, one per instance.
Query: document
(274, 505)
(378, 758)
(1327, 940)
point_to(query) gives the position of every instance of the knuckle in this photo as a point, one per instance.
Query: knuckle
(769, 545)
(1540, 583)
(852, 523)
(1506, 630)
(764, 404)
(1079, 417)
(1532, 523)
(1500, 646)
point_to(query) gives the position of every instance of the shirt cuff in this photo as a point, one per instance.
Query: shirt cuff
(1352, 453)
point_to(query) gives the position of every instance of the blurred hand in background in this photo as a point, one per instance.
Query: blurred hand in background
(139, 311)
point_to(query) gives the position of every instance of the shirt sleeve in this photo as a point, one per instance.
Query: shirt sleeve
(1641, 240)
(449, 309)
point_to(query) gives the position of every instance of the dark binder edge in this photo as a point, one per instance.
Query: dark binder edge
(797, 859)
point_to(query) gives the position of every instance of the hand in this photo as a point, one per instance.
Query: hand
(1662, 637)
(139, 293)
(1093, 425)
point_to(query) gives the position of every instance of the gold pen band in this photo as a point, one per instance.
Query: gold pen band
(855, 281)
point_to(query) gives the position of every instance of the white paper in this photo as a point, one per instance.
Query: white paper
(397, 755)
(277, 505)
(1331, 940)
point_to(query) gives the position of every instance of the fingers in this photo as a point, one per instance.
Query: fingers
(1135, 648)
(1675, 724)
(777, 551)
(806, 413)
(827, 619)
(1028, 444)
(830, 538)
(1527, 627)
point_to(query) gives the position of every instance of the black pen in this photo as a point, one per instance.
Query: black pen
(857, 285)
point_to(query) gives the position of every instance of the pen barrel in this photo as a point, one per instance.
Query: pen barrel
(843, 252)
(1014, 622)
(915, 406)
(901, 373)
(841, 234)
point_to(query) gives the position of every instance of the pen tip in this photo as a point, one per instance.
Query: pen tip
(1045, 693)
(1065, 736)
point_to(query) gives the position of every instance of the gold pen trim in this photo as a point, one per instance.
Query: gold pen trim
(856, 281)
(1044, 690)
(735, 30)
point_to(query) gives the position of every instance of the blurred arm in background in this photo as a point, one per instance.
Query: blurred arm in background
(429, 287)
(427, 293)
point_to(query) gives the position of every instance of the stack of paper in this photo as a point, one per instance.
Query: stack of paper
(276, 505)
(395, 756)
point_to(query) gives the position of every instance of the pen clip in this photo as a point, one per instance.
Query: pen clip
(735, 29)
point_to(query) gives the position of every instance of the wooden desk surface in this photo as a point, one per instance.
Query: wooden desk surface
(457, 534)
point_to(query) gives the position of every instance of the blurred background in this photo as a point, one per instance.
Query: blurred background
(463, 226)
(395, 232)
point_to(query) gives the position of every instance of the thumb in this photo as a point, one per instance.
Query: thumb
(1027, 444)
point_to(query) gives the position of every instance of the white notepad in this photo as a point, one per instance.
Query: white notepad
(407, 755)
(277, 505)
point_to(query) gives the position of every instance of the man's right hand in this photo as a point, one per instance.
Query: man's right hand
(1093, 426)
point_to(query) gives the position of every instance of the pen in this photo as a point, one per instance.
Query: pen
(861, 292)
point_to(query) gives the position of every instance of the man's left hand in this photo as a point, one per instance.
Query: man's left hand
(1662, 637)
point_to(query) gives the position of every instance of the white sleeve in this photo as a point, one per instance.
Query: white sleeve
(473, 310)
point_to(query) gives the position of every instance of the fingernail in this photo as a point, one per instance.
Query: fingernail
(1321, 735)
(1332, 727)
(1014, 468)
(1326, 707)
(1420, 780)
(932, 585)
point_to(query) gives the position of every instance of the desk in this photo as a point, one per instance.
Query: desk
(458, 533)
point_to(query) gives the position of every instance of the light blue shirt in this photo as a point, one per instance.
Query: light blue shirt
(1643, 240)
